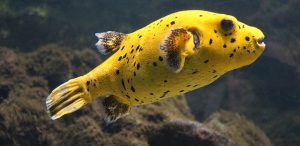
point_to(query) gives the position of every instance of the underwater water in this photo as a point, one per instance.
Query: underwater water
(45, 43)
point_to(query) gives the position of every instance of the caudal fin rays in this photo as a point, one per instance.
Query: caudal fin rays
(67, 98)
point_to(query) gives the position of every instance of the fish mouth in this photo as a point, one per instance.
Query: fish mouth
(260, 43)
(196, 39)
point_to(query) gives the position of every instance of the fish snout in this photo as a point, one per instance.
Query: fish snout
(260, 44)
(258, 38)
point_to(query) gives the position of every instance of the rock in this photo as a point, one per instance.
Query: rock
(50, 63)
(237, 128)
(185, 132)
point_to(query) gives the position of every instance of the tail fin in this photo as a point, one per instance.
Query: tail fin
(67, 98)
(109, 41)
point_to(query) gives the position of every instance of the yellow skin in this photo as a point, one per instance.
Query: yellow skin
(143, 76)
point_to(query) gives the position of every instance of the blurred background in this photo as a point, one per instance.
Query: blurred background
(43, 43)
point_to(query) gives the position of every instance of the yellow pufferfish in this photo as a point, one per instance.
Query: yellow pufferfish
(173, 55)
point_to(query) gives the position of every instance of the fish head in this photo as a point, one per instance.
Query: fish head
(227, 42)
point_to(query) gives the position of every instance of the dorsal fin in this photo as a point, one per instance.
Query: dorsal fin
(174, 48)
(109, 41)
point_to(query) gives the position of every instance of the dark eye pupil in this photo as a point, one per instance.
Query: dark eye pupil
(226, 24)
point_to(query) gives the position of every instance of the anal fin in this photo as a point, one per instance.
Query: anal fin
(109, 41)
(114, 109)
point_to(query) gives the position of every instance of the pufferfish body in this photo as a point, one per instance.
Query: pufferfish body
(173, 55)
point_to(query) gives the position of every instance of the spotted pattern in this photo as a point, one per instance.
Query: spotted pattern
(141, 65)
(130, 53)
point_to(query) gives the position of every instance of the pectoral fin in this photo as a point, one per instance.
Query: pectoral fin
(109, 41)
(174, 48)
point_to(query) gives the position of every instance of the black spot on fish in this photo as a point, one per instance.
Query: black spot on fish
(194, 72)
(206, 61)
(165, 81)
(94, 84)
(134, 74)
(154, 64)
(122, 47)
(232, 40)
(200, 15)
(87, 83)
(224, 46)
(244, 48)
(231, 55)
(247, 38)
(125, 55)
(120, 58)
(196, 85)
(140, 36)
(160, 58)
(167, 25)
(234, 50)
(132, 89)
(127, 96)
(128, 80)
(248, 51)
(136, 99)
(117, 72)
(214, 71)
(137, 48)
(210, 41)
(151, 93)
(215, 31)
(188, 85)
(131, 46)
(172, 23)
(215, 76)
(123, 84)
(181, 91)
(138, 66)
(131, 51)
(164, 94)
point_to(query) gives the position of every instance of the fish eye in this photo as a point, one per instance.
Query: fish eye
(226, 24)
